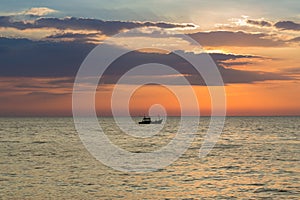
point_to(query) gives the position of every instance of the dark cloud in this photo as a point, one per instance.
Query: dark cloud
(26, 58)
(259, 22)
(42, 84)
(217, 57)
(67, 80)
(228, 38)
(72, 35)
(47, 94)
(32, 86)
(8, 21)
(229, 60)
(230, 64)
(106, 27)
(284, 25)
(296, 39)
(79, 37)
(126, 62)
(294, 71)
(287, 25)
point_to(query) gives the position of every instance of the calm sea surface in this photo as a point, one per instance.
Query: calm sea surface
(255, 158)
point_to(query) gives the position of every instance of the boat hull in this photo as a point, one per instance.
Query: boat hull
(144, 122)
(151, 122)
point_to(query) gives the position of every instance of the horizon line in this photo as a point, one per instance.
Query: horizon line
(108, 116)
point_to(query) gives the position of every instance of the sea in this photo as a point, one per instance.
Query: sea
(254, 158)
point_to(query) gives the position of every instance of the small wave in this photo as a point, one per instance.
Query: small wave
(39, 142)
(256, 184)
(9, 141)
(227, 146)
(229, 167)
(260, 190)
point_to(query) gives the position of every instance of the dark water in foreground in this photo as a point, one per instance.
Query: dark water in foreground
(255, 158)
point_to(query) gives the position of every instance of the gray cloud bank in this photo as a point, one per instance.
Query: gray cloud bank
(26, 58)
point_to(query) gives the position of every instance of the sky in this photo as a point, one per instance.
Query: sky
(254, 45)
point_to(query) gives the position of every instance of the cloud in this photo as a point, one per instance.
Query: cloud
(230, 60)
(26, 58)
(72, 35)
(39, 11)
(106, 27)
(30, 13)
(287, 25)
(217, 57)
(47, 94)
(295, 71)
(125, 63)
(80, 37)
(23, 57)
(228, 38)
(240, 76)
(231, 64)
(282, 25)
(259, 22)
(296, 39)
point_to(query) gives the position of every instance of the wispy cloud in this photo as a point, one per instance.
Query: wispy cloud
(281, 25)
(39, 11)
(259, 22)
(33, 12)
(296, 39)
(105, 27)
(287, 25)
(80, 37)
(278, 30)
(240, 38)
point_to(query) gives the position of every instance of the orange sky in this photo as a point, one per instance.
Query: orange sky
(259, 99)
(248, 99)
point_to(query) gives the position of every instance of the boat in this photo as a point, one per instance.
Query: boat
(147, 120)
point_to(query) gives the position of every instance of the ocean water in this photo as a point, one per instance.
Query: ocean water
(254, 158)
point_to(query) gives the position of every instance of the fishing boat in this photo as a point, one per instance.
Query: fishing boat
(147, 120)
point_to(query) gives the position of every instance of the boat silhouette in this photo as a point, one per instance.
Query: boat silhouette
(147, 120)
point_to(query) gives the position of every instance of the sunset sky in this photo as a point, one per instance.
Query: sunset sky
(255, 45)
